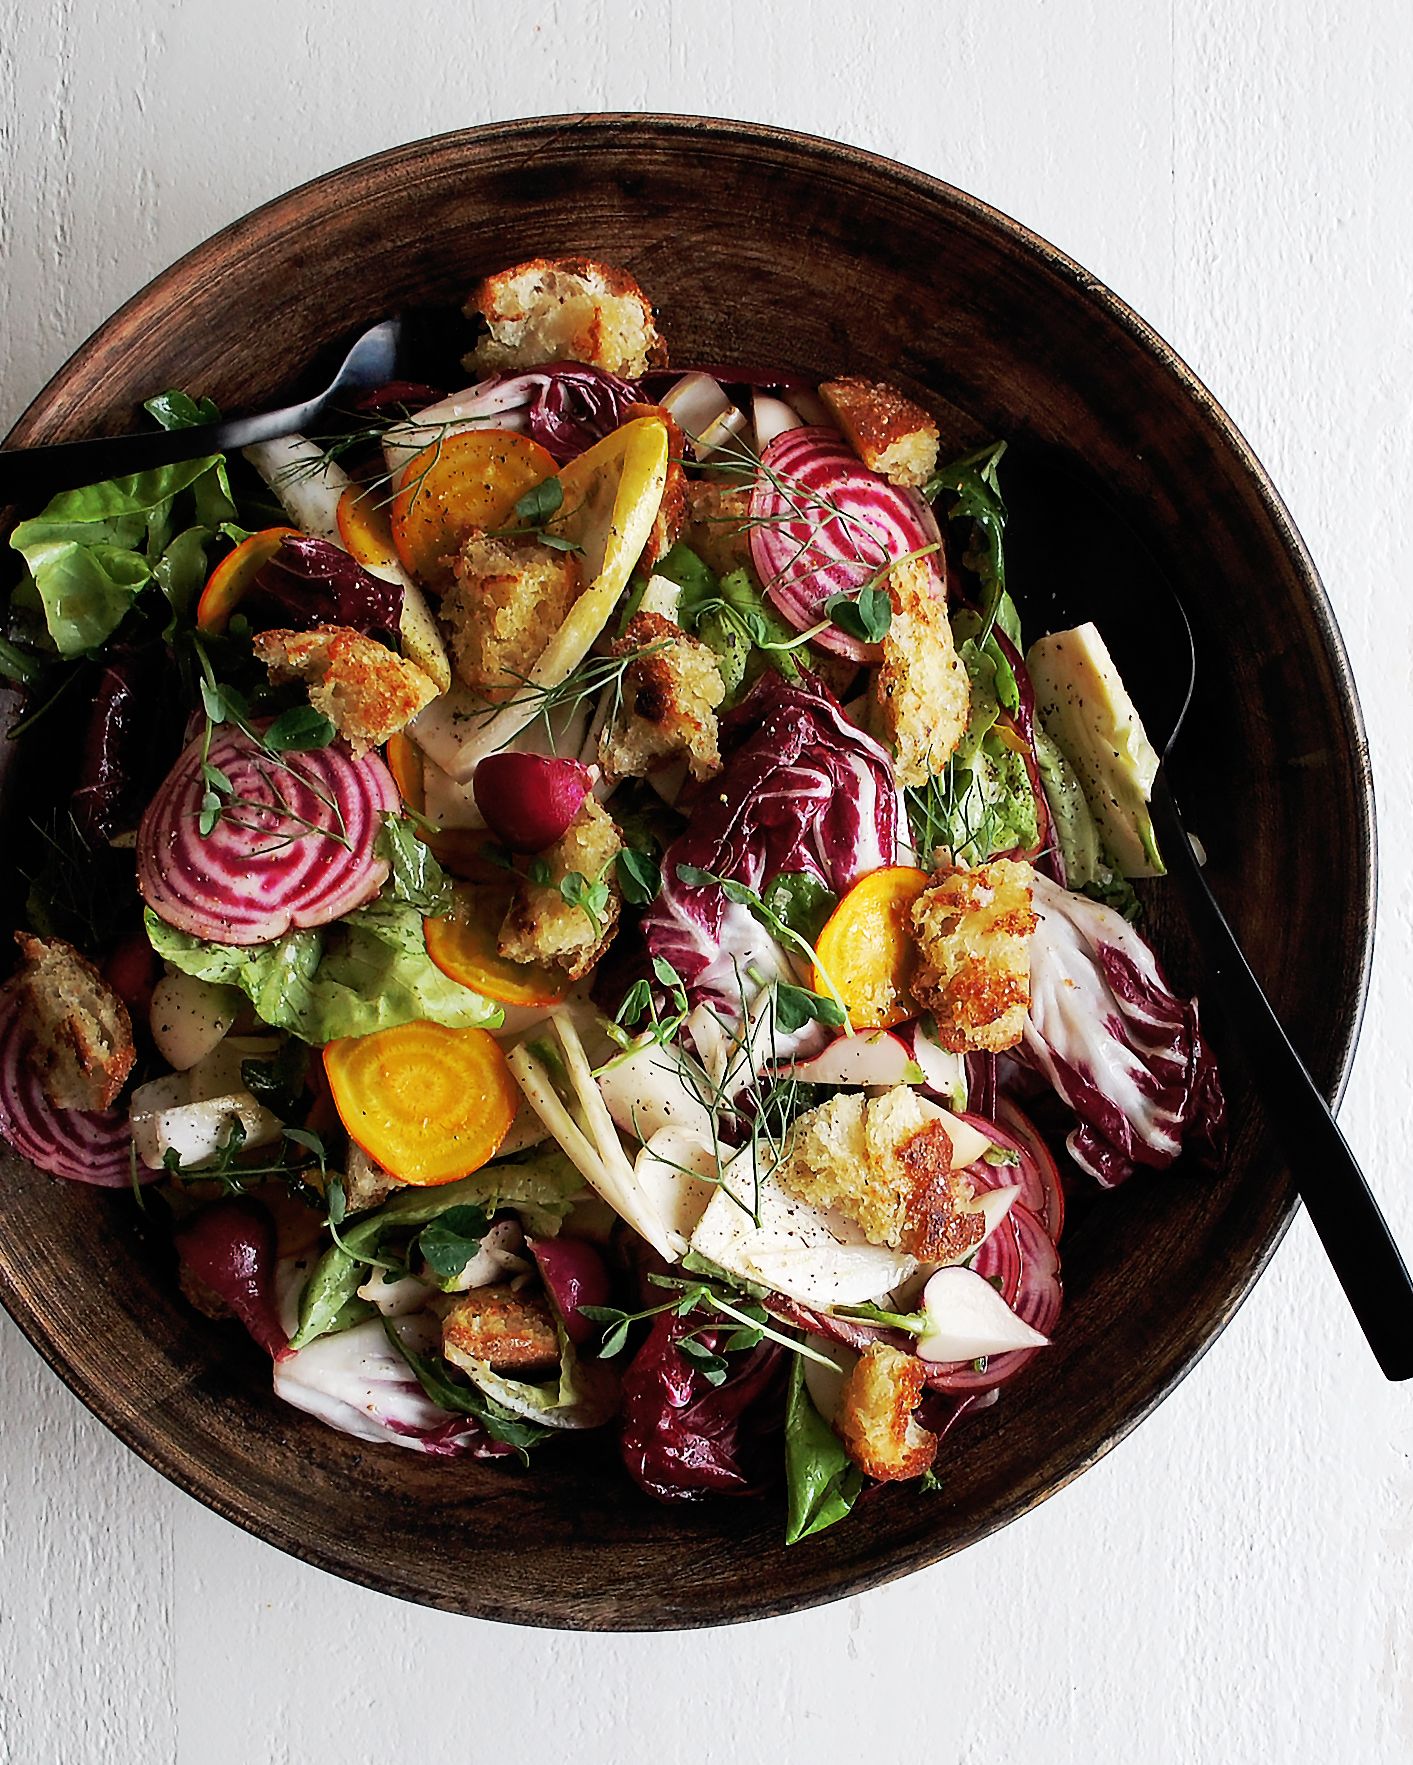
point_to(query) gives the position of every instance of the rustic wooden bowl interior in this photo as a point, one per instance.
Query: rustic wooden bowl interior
(761, 246)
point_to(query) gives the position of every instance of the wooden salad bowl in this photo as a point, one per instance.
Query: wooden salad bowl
(763, 247)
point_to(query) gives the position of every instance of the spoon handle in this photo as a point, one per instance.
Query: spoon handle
(34, 472)
(1342, 1210)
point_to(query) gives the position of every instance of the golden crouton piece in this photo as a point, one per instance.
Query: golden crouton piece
(565, 309)
(888, 432)
(875, 1415)
(365, 1183)
(510, 598)
(668, 710)
(81, 1042)
(973, 931)
(921, 694)
(511, 1332)
(541, 926)
(364, 689)
(672, 510)
(885, 1163)
(717, 525)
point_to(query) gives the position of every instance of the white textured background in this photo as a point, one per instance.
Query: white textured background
(1236, 1582)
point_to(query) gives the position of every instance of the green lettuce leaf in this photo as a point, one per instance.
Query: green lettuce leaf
(92, 551)
(368, 971)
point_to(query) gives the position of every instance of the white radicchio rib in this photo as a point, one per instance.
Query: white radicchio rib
(1120, 1048)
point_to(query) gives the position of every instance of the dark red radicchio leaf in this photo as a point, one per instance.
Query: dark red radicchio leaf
(132, 722)
(571, 406)
(803, 790)
(682, 1438)
(312, 582)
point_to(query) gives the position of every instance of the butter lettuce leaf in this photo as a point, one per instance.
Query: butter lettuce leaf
(368, 971)
(93, 550)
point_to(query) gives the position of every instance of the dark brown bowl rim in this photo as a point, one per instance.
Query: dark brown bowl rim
(819, 152)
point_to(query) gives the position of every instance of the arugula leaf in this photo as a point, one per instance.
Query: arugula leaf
(822, 1483)
(449, 1242)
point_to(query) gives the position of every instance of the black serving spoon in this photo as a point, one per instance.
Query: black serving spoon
(1072, 558)
(38, 472)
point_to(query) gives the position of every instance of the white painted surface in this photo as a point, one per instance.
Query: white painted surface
(1235, 1582)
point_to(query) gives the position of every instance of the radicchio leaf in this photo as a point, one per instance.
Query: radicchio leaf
(683, 1438)
(312, 582)
(804, 791)
(1120, 1048)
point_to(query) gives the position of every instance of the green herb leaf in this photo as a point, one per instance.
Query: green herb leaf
(865, 616)
(639, 876)
(450, 1241)
(797, 1006)
(540, 502)
(712, 1366)
(336, 1201)
(591, 898)
(298, 731)
(822, 1483)
(539, 872)
(800, 901)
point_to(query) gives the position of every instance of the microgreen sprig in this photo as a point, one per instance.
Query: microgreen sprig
(830, 1011)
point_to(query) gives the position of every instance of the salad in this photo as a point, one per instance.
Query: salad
(574, 905)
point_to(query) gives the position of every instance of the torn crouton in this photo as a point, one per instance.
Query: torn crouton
(668, 710)
(510, 597)
(888, 432)
(717, 525)
(364, 689)
(885, 1164)
(875, 1420)
(81, 1042)
(973, 930)
(509, 1331)
(564, 309)
(921, 694)
(541, 925)
(365, 1183)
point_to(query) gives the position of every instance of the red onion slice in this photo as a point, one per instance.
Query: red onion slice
(822, 524)
(1036, 1174)
(262, 871)
(84, 1145)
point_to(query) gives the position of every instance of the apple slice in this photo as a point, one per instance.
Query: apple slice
(879, 1059)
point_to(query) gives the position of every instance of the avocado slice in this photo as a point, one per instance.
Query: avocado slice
(1084, 707)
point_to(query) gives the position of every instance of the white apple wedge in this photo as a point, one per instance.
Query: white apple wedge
(968, 1318)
